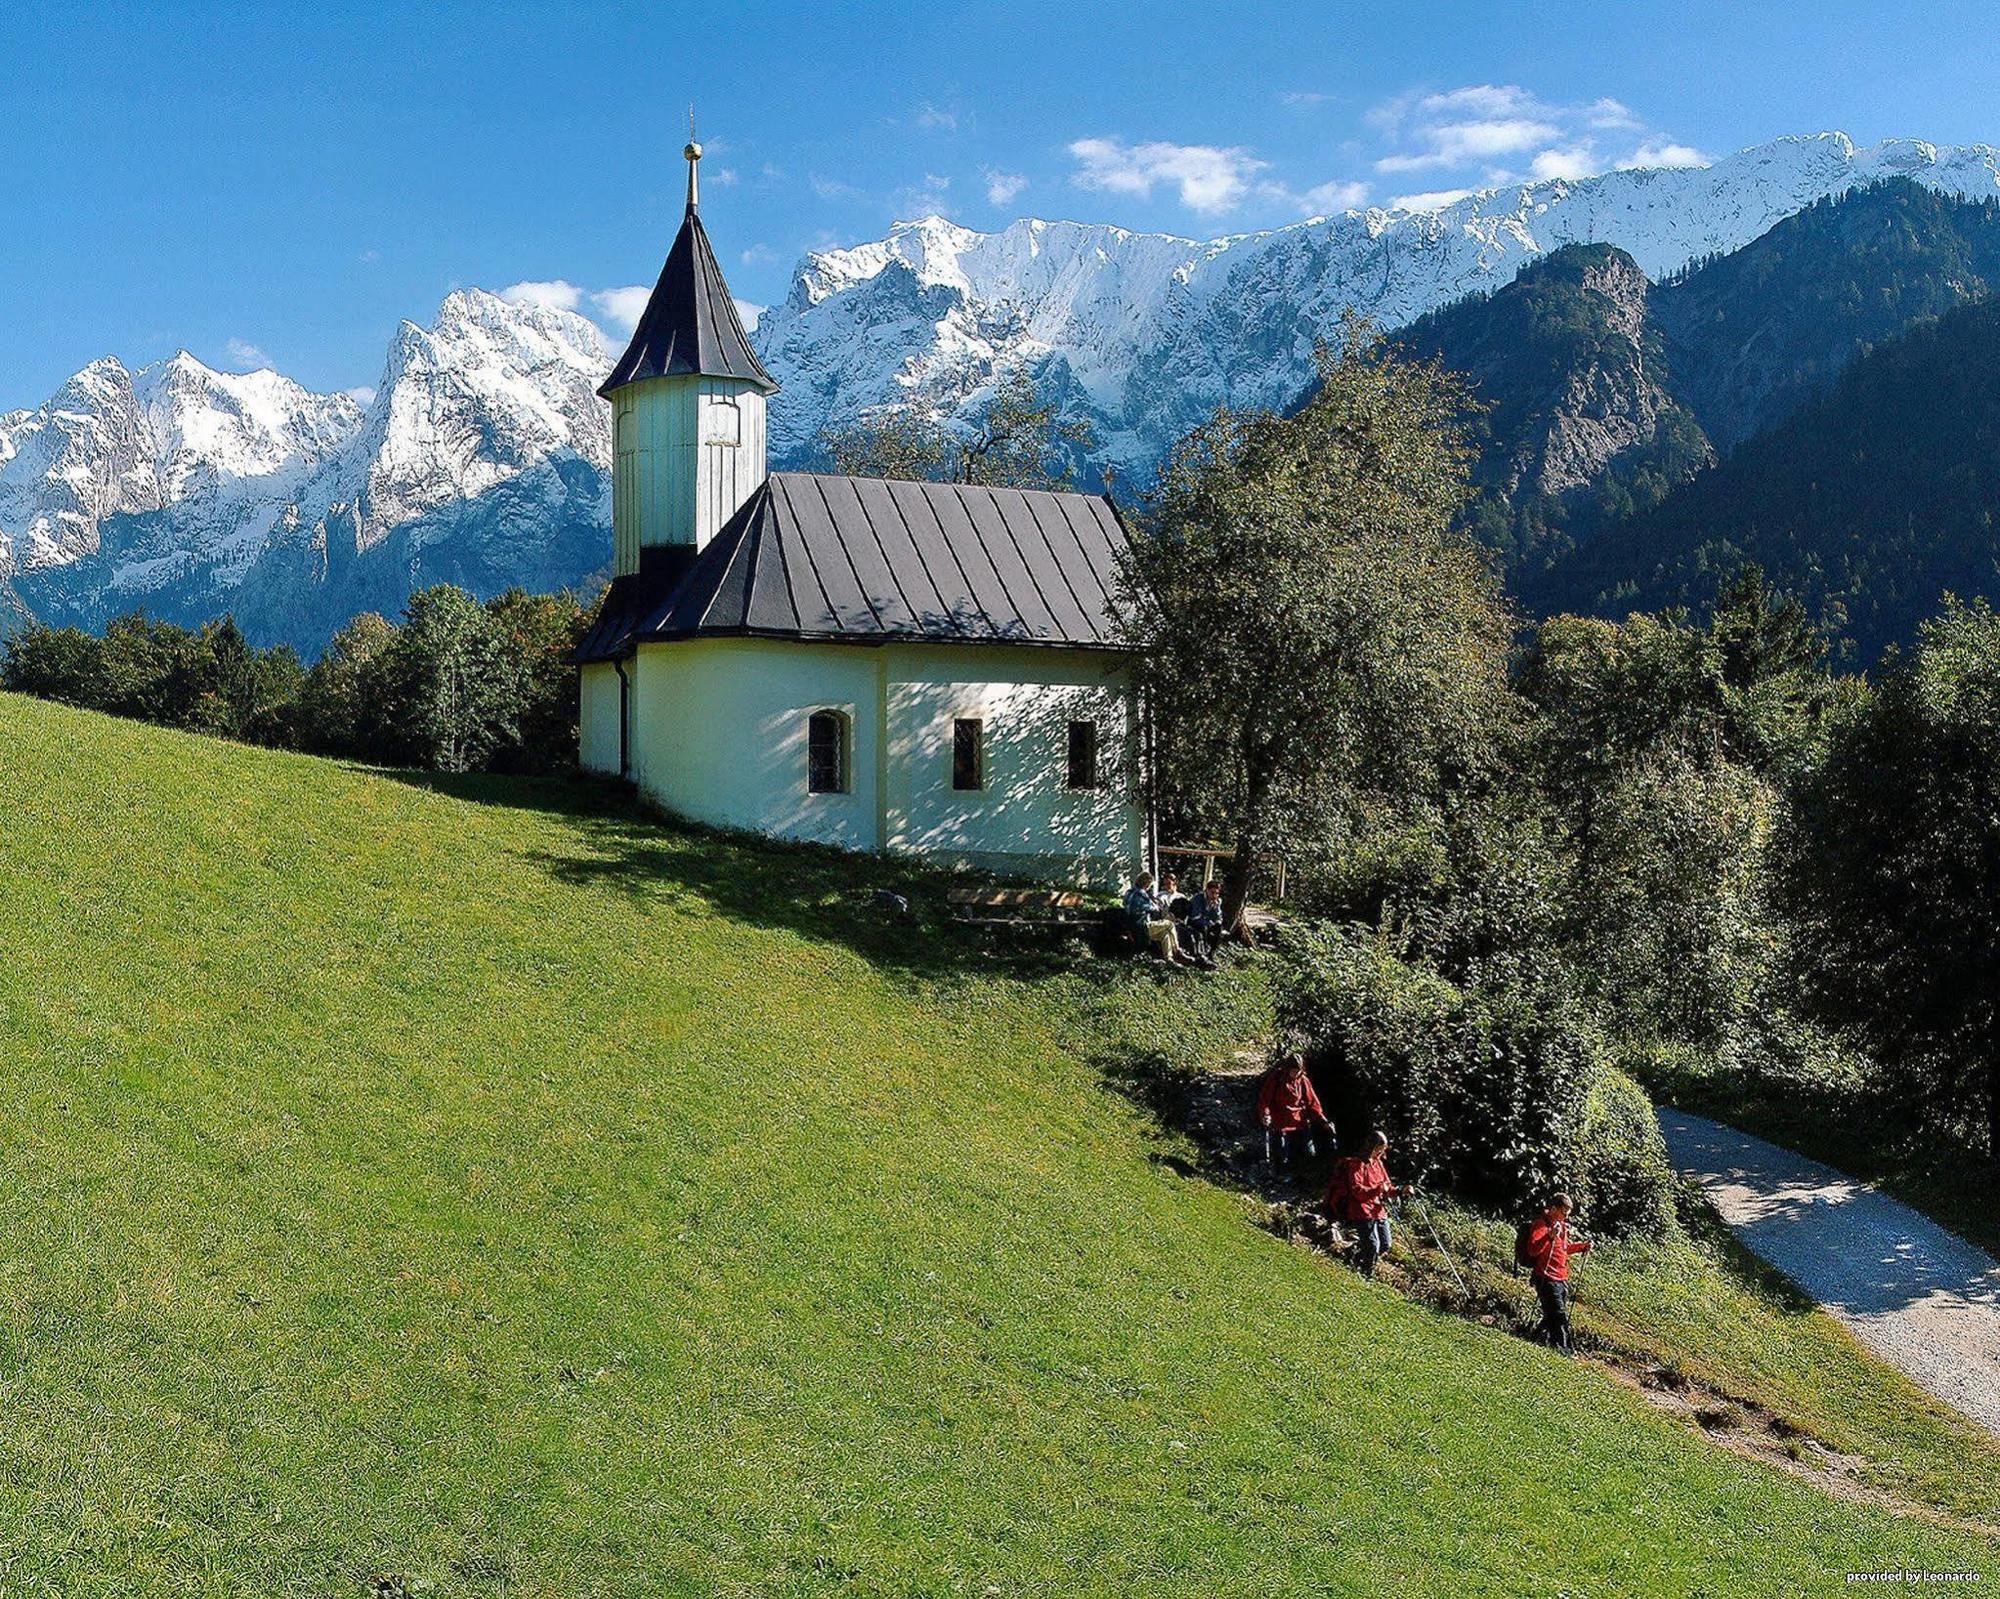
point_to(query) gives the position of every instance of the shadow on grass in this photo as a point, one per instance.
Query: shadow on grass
(812, 890)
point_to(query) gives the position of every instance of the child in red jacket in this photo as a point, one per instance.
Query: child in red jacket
(1360, 1193)
(1548, 1248)
(1288, 1106)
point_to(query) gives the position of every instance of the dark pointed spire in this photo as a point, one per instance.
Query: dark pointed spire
(690, 326)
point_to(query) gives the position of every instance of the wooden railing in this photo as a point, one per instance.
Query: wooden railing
(1209, 854)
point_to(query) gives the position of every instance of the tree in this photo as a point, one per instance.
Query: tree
(1022, 440)
(343, 703)
(1320, 649)
(539, 631)
(1895, 878)
(55, 663)
(906, 444)
(1771, 659)
(1658, 745)
(452, 686)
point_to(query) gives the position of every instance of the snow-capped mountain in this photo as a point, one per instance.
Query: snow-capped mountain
(1154, 332)
(484, 457)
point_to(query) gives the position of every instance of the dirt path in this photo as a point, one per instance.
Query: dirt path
(1921, 1297)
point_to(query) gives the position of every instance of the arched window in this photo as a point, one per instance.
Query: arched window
(826, 752)
(721, 420)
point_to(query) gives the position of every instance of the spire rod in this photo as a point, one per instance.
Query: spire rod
(693, 154)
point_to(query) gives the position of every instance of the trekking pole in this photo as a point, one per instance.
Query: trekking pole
(1432, 1226)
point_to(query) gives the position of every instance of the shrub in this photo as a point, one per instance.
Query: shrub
(1499, 1089)
(1622, 1180)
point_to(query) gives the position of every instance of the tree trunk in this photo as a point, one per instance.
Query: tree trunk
(1993, 1094)
(1236, 879)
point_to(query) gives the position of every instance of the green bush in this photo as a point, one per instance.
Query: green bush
(1622, 1180)
(1499, 1090)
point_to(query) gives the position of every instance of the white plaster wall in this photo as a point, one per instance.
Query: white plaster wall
(1026, 697)
(597, 720)
(720, 734)
(687, 452)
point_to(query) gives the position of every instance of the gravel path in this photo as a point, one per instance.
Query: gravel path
(1920, 1297)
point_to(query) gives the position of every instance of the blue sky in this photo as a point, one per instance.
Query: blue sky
(282, 184)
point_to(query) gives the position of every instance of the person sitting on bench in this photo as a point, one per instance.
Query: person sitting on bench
(1204, 919)
(1147, 913)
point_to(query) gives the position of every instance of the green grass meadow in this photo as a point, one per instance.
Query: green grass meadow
(493, 1191)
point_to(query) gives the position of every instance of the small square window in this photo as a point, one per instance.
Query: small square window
(1082, 755)
(968, 753)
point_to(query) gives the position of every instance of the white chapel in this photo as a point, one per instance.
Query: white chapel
(918, 668)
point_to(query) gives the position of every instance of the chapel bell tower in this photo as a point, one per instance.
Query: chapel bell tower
(687, 409)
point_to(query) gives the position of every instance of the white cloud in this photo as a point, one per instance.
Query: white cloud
(1324, 199)
(722, 178)
(1483, 100)
(360, 394)
(622, 308)
(935, 116)
(1303, 97)
(1209, 178)
(1451, 144)
(1433, 200)
(921, 199)
(1002, 187)
(749, 312)
(758, 255)
(369, 257)
(1578, 161)
(1468, 131)
(833, 188)
(242, 353)
(1665, 155)
(564, 296)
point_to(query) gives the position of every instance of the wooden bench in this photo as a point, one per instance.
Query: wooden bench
(1016, 907)
(1025, 914)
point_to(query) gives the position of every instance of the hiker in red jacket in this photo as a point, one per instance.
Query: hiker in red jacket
(1360, 1193)
(1288, 1106)
(1547, 1248)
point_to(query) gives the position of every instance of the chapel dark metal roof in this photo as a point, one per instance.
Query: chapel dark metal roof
(868, 561)
(690, 326)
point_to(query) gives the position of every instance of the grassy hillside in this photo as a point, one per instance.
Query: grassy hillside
(501, 1194)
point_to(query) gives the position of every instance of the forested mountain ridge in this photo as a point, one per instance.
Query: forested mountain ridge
(1576, 419)
(1752, 334)
(1871, 501)
(1604, 401)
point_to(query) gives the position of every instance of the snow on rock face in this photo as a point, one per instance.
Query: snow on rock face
(490, 389)
(484, 457)
(1159, 330)
(69, 463)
